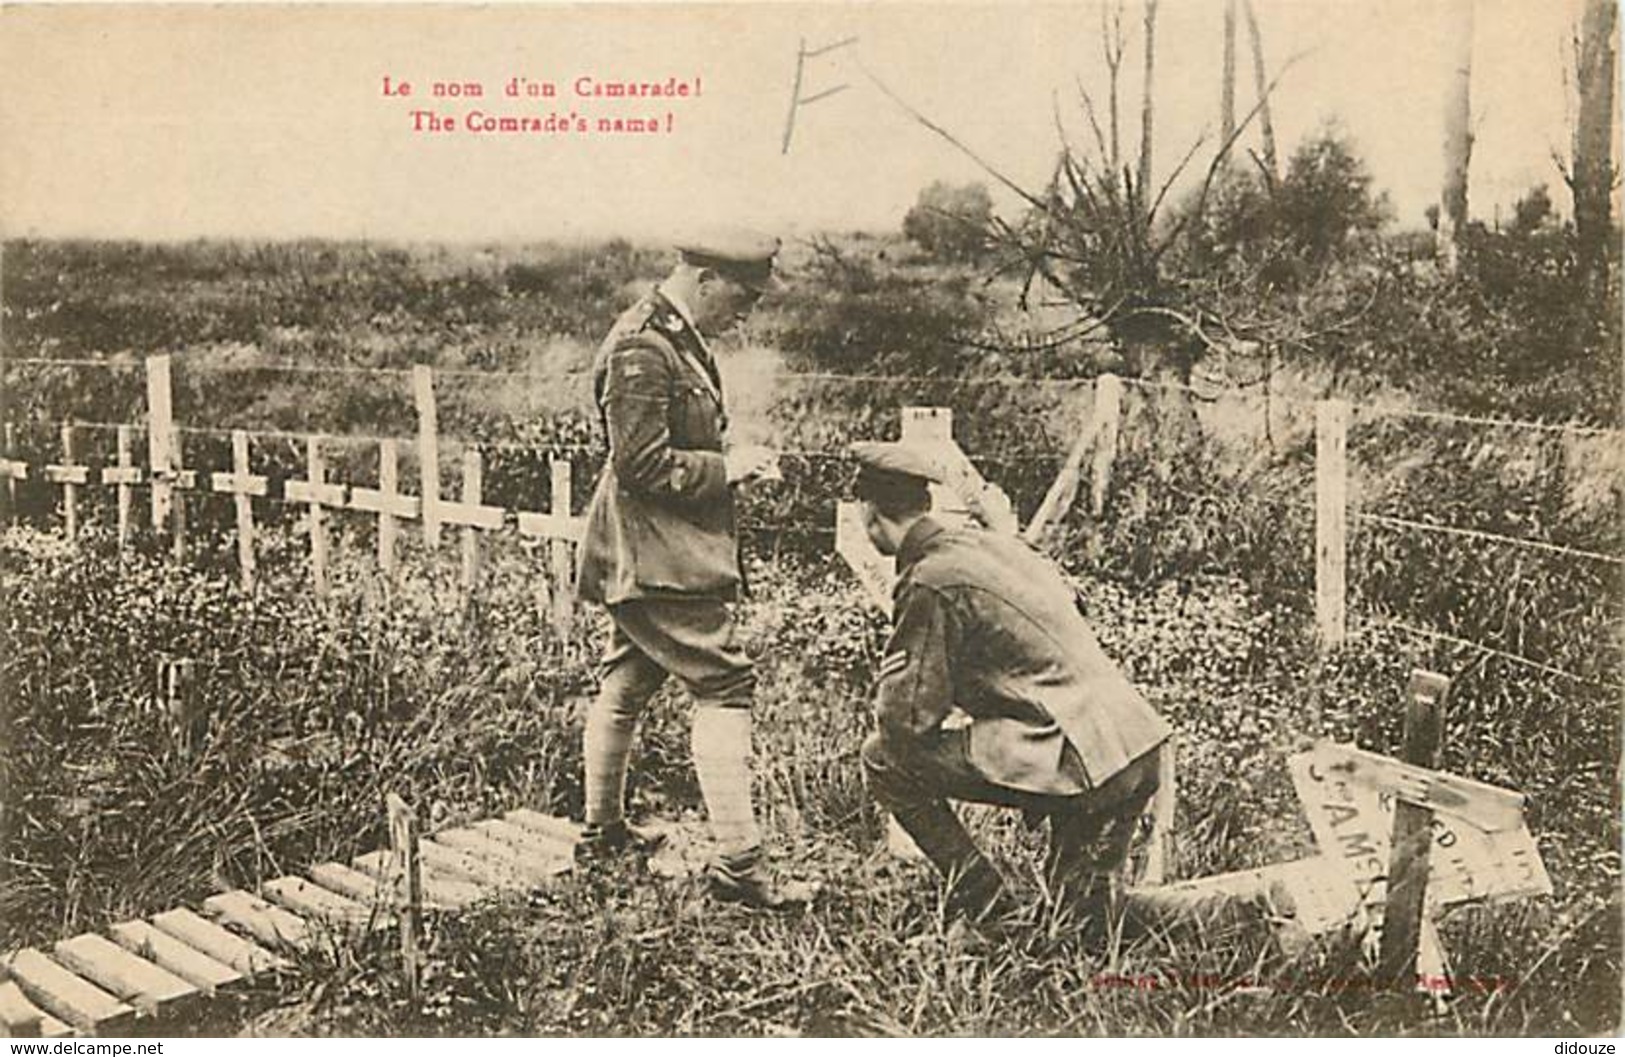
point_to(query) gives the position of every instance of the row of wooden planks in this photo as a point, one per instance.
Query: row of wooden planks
(164, 967)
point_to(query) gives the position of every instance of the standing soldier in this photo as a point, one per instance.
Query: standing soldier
(661, 553)
(984, 623)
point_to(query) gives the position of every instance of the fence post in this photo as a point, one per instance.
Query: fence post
(1413, 834)
(245, 508)
(160, 439)
(559, 550)
(473, 474)
(1108, 415)
(316, 471)
(1331, 522)
(428, 452)
(389, 486)
(70, 491)
(408, 884)
(126, 497)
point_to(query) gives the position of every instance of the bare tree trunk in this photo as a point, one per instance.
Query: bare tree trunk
(1458, 136)
(1261, 87)
(1143, 179)
(1112, 46)
(1592, 178)
(1227, 90)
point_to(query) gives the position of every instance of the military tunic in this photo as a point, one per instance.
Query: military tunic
(984, 623)
(661, 519)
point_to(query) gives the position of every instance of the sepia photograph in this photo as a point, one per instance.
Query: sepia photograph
(811, 519)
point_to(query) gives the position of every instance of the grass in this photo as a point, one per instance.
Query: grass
(317, 710)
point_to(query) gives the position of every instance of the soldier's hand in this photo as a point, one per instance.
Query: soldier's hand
(750, 462)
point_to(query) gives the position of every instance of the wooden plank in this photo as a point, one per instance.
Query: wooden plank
(875, 572)
(240, 484)
(190, 964)
(266, 923)
(539, 851)
(65, 995)
(1413, 833)
(1331, 522)
(494, 852)
(428, 452)
(245, 508)
(1063, 491)
(1490, 808)
(444, 887)
(148, 987)
(316, 471)
(225, 947)
(473, 485)
(470, 515)
(384, 501)
(312, 902)
(351, 883)
(558, 550)
(558, 829)
(1352, 822)
(160, 439)
(317, 493)
(126, 496)
(1108, 419)
(552, 526)
(19, 1018)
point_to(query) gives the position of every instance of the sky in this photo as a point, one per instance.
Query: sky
(270, 120)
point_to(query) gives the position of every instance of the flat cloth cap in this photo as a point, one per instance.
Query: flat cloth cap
(741, 254)
(888, 461)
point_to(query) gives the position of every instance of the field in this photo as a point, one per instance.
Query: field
(1198, 572)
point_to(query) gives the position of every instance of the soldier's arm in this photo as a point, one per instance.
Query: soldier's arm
(915, 691)
(636, 397)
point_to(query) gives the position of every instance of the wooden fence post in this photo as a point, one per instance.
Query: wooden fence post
(70, 490)
(1161, 850)
(316, 473)
(473, 485)
(408, 885)
(126, 495)
(428, 452)
(389, 486)
(559, 549)
(245, 508)
(1413, 835)
(1108, 416)
(1331, 522)
(160, 440)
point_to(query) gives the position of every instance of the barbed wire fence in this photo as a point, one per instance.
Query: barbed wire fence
(72, 472)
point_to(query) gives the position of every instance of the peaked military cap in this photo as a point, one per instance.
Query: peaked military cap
(741, 254)
(887, 461)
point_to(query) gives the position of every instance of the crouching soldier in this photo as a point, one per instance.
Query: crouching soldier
(983, 623)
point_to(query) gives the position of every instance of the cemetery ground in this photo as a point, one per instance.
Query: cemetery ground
(1199, 580)
(316, 713)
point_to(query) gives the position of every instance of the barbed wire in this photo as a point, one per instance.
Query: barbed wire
(1488, 537)
(1378, 411)
(1206, 393)
(1513, 658)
